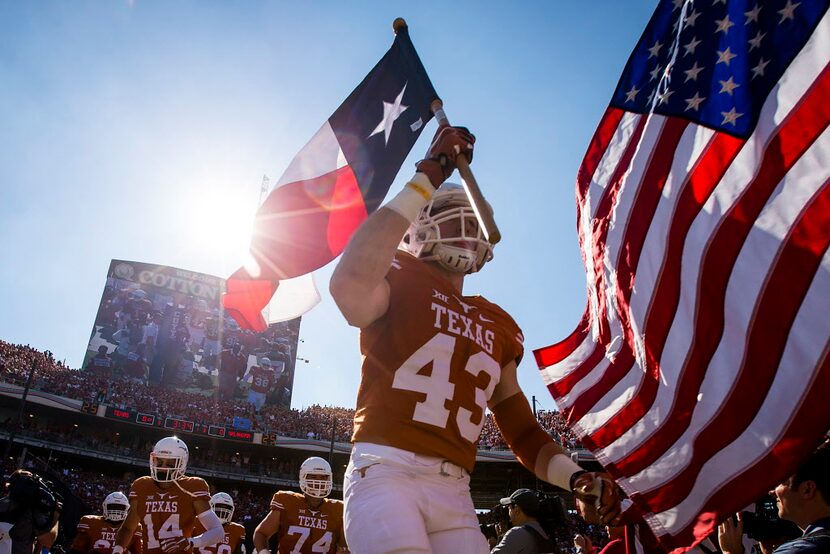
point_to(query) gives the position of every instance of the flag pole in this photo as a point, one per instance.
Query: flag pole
(484, 214)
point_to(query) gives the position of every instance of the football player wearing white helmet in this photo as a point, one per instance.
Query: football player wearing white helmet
(234, 542)
(168, 504)
(97, 533)
(308, 522)
(401, 281)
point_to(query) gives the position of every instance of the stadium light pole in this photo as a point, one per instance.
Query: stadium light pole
(331, 444)
(17, 423)
(535, 479)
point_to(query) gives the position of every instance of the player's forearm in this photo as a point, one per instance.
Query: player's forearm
(533, 447)
(369, 254)
(123, 535)
(260, 540)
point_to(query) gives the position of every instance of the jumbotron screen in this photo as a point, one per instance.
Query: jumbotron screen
(165, 326)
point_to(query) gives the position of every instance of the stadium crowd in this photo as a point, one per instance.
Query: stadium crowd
(314, 422)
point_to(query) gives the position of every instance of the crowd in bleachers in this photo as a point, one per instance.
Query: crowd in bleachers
(314, 422)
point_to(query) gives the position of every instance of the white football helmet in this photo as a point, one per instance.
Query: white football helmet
(116, 506)
(315, 477)
(222, 505)
(265, 362)
(465, 251)
(168, 460)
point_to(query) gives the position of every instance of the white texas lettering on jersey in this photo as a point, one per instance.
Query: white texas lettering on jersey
(463, 326)
(161, 506)
(313, 522)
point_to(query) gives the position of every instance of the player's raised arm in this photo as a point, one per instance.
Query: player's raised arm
(358, 284)
(538, 452)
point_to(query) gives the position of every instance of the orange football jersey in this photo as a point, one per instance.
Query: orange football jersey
(305, 530)
(234, 537)
(430, 365)
(167, 513)
(95, 534)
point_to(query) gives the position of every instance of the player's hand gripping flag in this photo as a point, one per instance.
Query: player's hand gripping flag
(699, 373)
(339, 177)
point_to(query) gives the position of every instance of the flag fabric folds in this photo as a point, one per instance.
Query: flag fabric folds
(699, 372)
(339, 177)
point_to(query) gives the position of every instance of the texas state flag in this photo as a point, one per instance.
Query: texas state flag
(339, 177)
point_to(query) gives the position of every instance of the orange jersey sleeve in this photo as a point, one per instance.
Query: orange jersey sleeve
(82, 542)
(305, 530)
(430, 364)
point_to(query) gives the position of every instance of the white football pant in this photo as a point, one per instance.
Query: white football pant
(402, 502)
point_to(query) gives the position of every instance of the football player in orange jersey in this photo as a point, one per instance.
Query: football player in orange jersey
(308, 522)
(433, 361)
(97, 533)
(168, 503)
(234, 542)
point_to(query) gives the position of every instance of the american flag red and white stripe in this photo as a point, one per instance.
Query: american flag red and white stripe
(699, 373)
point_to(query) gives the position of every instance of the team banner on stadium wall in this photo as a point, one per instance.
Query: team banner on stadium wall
(164, 326)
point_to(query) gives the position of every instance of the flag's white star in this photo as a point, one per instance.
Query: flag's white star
(693, 103)
(756, 42)
(677, 4)
(725, 56)
(752, 15)
(664, 98)
(728, 86)
(631, 94)
(692, 18)
(692, 72)
(788, 11)
(724, 25)
(758, 70)
(730, 117)
(654, 50)
(690, 48)
(391, 112)
(655, 73)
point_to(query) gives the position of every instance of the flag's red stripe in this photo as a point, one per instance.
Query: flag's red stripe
(795, 135)
(779, 463)
(598, 236)
(642, 212)
(596, 150)
(600, 226)
(702, 180)
(555, 353)
(775, 312)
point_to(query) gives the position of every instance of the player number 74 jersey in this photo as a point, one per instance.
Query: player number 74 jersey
(303, 530)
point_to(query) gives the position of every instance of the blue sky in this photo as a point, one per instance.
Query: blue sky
(140, 130)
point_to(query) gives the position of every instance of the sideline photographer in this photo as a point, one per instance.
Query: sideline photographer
(29, 514)
(526, 536)
(804, 499)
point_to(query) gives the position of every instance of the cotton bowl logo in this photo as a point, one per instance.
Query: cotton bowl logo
(124, 271)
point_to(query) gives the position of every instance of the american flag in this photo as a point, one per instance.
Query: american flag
(699, 373)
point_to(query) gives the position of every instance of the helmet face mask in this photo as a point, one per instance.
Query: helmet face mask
(168, 460)
(447, 232)
(315, 477)
(116, 506)
(222, 505)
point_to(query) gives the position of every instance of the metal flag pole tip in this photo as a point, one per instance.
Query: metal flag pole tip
(398, 24)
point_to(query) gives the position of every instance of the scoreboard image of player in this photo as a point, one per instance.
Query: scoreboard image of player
(162, 325)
